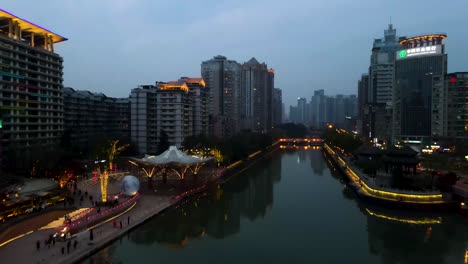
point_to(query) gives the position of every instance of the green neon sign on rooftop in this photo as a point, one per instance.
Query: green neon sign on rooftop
(403, 54)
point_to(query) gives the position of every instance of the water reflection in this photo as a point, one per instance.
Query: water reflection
(249, 195)
(399, 236)
(308, 223)
(400, 242)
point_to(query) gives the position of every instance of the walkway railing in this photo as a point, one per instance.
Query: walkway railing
(84, 221)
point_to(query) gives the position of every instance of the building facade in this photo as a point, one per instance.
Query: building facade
(418, 108)
(302, 109)
(457, 105)
(256, 96)
(143, 128)
(92, 117)
(199, 96)
(31, 86)
(174, 111)
(277, 105)
(223, 82)
(380, 91)
(179, 108)
(363, 127)
(317, 112)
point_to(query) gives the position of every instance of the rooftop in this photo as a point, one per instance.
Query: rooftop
(424, 37)
(30, 27)
(190, 80)
(174, 85)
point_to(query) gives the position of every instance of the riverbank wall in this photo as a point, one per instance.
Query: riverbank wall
(388, 197)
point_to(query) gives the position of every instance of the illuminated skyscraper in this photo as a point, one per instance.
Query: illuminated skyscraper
(418, 105)
(378, 108)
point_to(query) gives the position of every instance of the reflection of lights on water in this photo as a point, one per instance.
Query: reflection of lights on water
(425, 221)
(466, 256)
(298, 160)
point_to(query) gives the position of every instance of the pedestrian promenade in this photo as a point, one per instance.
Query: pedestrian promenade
(24, 250)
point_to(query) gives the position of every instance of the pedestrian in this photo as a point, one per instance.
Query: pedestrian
(120, 224)
(53, 241)
(91, 235)
(128, 220)
(75, 244)
(68, 246)
(63, 250)
(86, 193)
(38, 245)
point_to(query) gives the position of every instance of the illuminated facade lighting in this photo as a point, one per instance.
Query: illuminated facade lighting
(421, 63)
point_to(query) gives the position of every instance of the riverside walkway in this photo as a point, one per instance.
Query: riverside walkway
(23, 249)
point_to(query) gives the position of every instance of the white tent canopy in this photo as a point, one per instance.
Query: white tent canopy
(173, 156)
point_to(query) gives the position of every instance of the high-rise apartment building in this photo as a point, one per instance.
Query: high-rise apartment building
(457, 105)
(223, 81)
(379, 94)
(143, 125)
(277, 106)
(418, 107)
(177, 107)
(91, 117)
(31, 84)
(199, 96)
(302, 108)
(256, 96)
(268, 111)
(362, 102)
(293, 114)
(317, 111)
(174, 114)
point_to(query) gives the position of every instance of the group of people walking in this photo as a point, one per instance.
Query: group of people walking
(51, 242)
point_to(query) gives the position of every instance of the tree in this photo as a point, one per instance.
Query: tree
(108, 155)
(164, 143)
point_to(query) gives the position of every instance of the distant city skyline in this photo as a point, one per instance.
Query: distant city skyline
(115, 45)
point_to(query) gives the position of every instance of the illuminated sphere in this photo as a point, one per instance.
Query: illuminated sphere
(129, 185)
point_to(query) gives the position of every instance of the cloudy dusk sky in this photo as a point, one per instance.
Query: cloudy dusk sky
(115, 45)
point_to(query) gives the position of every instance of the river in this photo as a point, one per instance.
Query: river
(290, 208)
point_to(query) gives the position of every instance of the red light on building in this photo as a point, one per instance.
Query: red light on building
(453, 79)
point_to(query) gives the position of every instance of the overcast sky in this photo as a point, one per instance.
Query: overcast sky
(115, 45)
